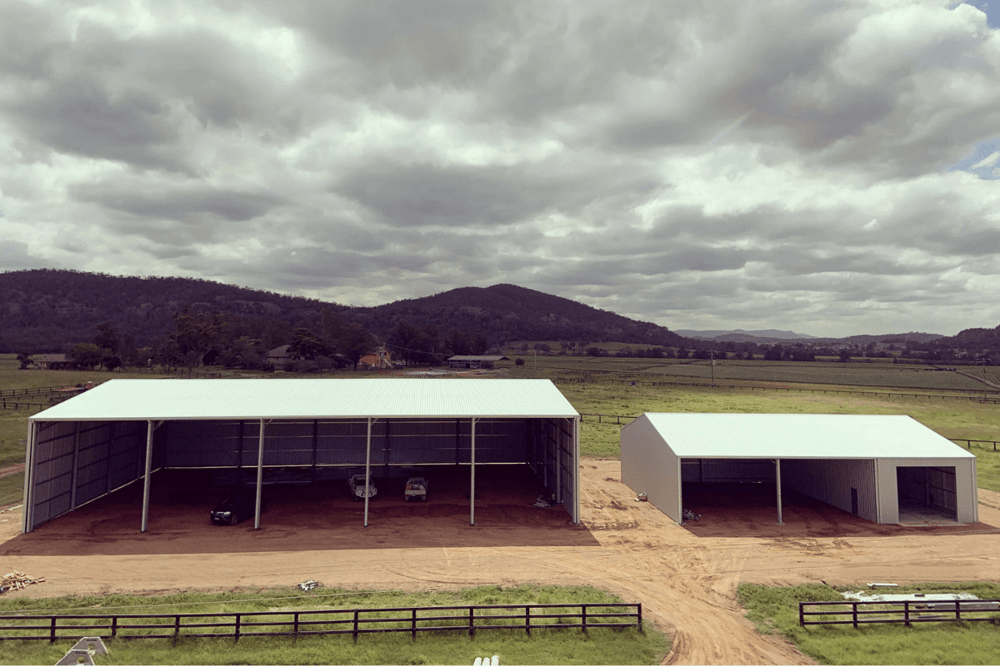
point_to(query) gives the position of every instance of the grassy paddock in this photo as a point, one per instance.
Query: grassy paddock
(883, 375)
(774, 610)
(542, 647)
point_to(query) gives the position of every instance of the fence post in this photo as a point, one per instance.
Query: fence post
(638, 619)
(527, 619)
(958, 610)
(356, 625)
(236, 634)
(177, 627)
(413, 624)
(906, 613)
(854, 608)
(802, 614)
(52, 632)
(583, 617)
(114, 627)
(472, 621)
(295, 618)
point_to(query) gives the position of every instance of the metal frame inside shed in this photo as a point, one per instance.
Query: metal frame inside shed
(125, 430)
(865, 465)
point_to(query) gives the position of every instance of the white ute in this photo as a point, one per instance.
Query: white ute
(357, 484)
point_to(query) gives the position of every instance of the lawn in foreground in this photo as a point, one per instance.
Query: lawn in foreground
(568, 646)
(774, 610)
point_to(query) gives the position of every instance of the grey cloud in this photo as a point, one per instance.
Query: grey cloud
(431, 194)
(83, 117)
(16, 256)
(197, 203)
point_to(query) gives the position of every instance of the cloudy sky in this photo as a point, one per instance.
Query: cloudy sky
(829, 167)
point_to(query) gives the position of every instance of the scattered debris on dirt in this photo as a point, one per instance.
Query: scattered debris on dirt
(545, 501)
(310, 585)
(16, 580)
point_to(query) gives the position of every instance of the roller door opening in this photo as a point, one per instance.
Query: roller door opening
(926, 493)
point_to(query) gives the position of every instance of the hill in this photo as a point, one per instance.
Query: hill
(51, 310)
(739, 335)
(506, 312)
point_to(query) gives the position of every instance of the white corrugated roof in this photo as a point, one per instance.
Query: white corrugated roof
(182, 399)
(800, 436)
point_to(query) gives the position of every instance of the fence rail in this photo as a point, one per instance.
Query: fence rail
(899, 612)
(354, 621)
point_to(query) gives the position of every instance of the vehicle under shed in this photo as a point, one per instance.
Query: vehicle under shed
(296, 430)
(879, 468)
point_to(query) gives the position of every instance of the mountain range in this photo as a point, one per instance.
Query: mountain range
(50, 310)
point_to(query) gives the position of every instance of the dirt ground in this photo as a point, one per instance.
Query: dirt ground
(684, 576)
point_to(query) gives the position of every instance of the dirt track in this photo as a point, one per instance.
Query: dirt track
(685, 576)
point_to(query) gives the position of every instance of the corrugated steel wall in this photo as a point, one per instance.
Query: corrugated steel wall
(74, 463)
(341, 443)
(650, 466)
(831, 481)
(709, 470)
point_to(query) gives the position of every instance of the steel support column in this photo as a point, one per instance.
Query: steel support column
(146, 476)
(368, 466)
(28, 508)
(260, 476)
(777, 474)
(472, 477)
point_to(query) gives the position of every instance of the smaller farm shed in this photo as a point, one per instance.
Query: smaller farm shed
(124, 430)
(870, 466)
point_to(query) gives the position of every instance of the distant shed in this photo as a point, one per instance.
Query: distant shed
(481, 362)
(124, 430)
(870, 466)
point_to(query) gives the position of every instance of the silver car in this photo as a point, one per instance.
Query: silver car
(357, 484)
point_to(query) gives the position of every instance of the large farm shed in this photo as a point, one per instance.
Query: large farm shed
(125, 430)
(875, 467)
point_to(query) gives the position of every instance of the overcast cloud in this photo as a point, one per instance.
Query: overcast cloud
(827, 167)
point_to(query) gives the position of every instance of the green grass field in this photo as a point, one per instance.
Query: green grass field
(570, 646)
(774, 610)
(875, 374)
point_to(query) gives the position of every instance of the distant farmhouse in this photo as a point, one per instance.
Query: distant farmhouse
(279, 358)
(52, 362)
(380, 359)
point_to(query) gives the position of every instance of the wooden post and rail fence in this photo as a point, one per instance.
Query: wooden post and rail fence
(353, 621)
(906, 612)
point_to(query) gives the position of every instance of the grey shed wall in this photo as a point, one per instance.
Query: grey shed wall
(650, 466)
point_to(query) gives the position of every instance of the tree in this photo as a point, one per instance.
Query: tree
(24, 360)
(458, 342)
(844, 354)
(774, 353)
(86, 356)
(307, 345)
(355, 342)
(402, 338)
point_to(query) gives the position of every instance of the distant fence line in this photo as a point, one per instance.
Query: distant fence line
(354, 621)
(978, 396)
